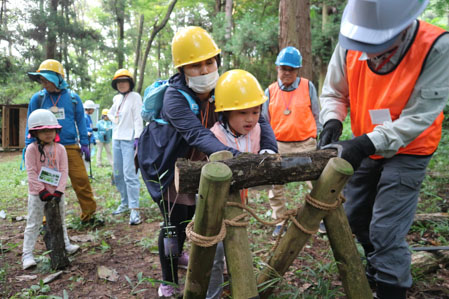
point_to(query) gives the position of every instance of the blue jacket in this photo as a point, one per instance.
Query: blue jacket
(72, 120)
(104, 133)
(89, 127)
(161, 145)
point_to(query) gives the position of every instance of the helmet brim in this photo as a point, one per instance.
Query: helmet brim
(45, 127)
(351, 44)
(295, 66)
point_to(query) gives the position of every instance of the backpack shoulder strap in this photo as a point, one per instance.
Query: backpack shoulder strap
(41, 98)
(193, 105)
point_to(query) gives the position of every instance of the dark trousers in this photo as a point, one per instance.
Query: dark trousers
(382, 196)
(179, 217)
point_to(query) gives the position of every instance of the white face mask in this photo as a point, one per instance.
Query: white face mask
(204, 83)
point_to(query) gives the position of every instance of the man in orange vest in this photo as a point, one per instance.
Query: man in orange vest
(293, 112)
(392, 71)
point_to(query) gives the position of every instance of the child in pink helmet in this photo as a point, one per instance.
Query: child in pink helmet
(47, 168)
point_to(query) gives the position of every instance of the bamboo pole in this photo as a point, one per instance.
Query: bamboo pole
(326, 190)
(213, 192)
(238, 255)
(349, 264)
(236, 244)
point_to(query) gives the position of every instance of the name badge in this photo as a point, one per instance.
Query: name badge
(60, 114)
(379, 116)
(49, 176)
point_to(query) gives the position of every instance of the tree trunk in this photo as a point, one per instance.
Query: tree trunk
(154, 32)
(251, 170)
(120, 20)
(294, 23)
(54, 238)
(139, 41)
(226, 54)
(51, 36)
(323, 66)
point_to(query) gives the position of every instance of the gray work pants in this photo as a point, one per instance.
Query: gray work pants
(382, 196)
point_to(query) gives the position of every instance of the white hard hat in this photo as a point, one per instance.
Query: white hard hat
(89, 104)
(42, 119)
(372, 26)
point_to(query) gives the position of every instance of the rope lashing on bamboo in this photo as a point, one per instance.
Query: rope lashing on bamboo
(324, 206)
(205, 241)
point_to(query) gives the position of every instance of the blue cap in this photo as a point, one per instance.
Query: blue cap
(289, 56)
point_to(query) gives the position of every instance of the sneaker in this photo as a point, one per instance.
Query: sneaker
(134, 217)
(322, 229)
(72, 248)
(183, 260)
(28, 261)
(277, 231)
(168, 291)
(121, 209)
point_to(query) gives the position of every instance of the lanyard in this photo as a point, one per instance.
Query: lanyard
(246, 145)
(57, 100)
(287, 105)
(204, 119)
(51, 159)
(120, 106)
(386, 60)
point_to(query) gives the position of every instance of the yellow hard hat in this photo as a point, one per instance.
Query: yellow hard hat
(236, 90)
(52, 65)
(192, 44)
(104, 112)
(122, 73)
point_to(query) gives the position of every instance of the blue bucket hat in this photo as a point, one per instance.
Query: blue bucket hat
(51, 76)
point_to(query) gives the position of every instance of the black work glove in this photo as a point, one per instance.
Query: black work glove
(57, 196)
(331, 132)
(44, 195)
(354, 150)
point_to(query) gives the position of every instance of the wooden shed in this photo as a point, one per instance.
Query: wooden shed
(14, 118)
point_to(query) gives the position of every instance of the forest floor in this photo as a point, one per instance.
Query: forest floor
(131, 251)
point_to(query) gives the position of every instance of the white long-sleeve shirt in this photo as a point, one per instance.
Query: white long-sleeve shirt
(125, 116)
(426, 102)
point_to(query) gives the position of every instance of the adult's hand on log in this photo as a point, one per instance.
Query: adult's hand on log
(354, 150)
(331, 132)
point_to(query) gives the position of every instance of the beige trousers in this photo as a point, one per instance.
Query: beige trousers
(276, 194)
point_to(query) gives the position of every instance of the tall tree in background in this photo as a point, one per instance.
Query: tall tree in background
(52, 30)
(157, 26)
(228, 34)
(294, 23)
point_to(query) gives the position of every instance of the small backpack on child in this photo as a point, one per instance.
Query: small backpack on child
(153, 98)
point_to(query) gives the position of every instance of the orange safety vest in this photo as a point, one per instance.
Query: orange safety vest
(300, 124)
(369, 90)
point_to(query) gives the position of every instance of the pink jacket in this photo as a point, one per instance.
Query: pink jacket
(34, 165)
(245, 143)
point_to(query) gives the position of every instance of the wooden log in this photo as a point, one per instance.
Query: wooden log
(352, 272)
(429, 262)
(213, 193)
(54, 237)
(326, 190)
(249, 170)
(238, 255)
(431, 217)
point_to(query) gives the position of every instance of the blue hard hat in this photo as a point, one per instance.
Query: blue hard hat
(289, 56)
